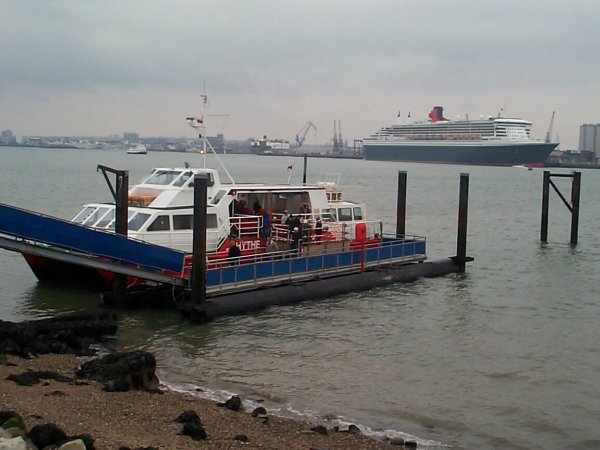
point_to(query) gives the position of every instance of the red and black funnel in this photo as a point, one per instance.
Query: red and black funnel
(437, 114)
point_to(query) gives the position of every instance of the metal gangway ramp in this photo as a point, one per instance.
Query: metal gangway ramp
(33, 233)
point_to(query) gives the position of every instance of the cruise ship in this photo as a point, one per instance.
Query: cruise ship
(498, 141)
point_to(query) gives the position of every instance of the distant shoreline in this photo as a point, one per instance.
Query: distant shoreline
(295, 155)
(40, 145)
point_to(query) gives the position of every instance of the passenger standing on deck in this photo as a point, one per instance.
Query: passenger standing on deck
(296, 241)
(267, 218)
(305, 209)
(294, 222)
(284, 217)
(234, 254)
(318, 230)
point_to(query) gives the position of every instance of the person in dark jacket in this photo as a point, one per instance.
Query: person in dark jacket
(296, 241)
(234, 254)
(318, 230)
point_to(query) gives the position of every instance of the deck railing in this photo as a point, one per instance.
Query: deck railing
(249, 272)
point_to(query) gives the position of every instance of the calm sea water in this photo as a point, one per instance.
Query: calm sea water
(503, 356)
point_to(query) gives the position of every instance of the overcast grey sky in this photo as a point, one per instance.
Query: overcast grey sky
(101, 67)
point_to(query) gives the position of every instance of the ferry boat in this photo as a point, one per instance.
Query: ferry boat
(499, 141)
(269, 146)
(137, 149)
(250, 216)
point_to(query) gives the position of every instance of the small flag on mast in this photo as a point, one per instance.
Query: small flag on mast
(290, 167)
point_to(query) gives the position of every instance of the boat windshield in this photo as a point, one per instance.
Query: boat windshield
(182, 179)
(107, 219)
(163, 177)
(95, 216)
(84, 214)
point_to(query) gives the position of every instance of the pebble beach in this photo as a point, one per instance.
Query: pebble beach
(140, 420)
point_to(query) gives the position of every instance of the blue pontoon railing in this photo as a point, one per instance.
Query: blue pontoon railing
(234, 274)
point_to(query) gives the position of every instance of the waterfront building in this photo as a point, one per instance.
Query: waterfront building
(8, 137)
(589, 139)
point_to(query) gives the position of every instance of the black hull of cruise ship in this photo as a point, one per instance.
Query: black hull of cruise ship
(490, 155)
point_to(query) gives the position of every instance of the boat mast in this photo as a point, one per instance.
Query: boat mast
(204, 107)
(198, 124)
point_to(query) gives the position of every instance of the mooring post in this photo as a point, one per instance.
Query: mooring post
(572, 206)
(120, 194)
(304, 172)
(121, 219)
(198, 272)
(461, 238)
(545, 205)
(401, 205)
(575, 191)
(121, 207)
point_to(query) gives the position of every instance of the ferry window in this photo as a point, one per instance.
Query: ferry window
(357, 214)
(84, 214)
(137, 221)
(161, 223)
(183, 222)
(186, 221)
(218, 197)
(344, 214)
(163, 177)
(93, 218)
(106, 219)
(182, 179)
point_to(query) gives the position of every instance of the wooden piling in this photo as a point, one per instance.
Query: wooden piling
(545, 205)
(304, 171)
(120, 194)
(198, 272)
(461, 238)
(575, 192)
(401, 205)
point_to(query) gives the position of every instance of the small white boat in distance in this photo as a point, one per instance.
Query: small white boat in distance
(137, 149)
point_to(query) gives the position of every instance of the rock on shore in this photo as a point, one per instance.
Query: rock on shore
(66, 333)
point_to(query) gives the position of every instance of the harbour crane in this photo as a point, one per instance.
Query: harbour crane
(549, 133)
(302, 133)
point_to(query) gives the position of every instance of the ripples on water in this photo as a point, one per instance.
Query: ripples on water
(504, 356)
